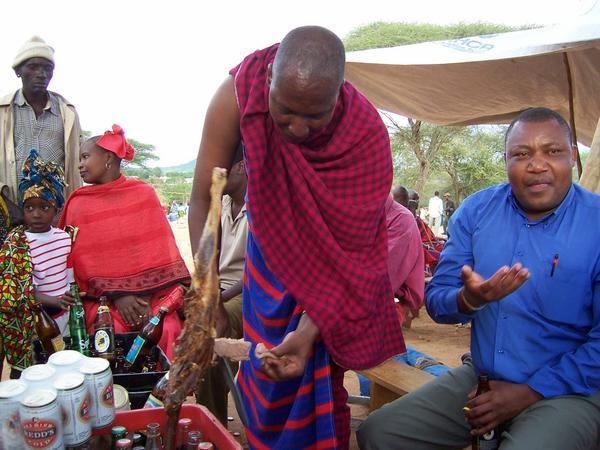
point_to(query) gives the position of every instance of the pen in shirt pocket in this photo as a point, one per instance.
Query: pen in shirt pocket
(554, 265)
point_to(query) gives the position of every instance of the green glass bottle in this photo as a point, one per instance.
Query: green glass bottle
(80, 340)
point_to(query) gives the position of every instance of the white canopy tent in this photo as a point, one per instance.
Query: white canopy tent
(488, 79)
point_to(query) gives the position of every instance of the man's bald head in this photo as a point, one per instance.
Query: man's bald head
(304, 82)
(311, 53)
(400, 194)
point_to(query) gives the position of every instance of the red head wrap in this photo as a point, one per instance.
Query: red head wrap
(114, 141)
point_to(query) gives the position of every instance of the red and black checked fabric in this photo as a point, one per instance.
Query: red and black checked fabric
(318, 214)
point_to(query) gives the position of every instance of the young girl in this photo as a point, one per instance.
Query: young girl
(33, 262)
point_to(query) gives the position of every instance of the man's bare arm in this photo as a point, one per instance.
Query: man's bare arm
(220, 138)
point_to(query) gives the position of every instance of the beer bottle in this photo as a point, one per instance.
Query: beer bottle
(183, 427)
(117, 432)
(47, 330)
(124, 444)
(79, 338)
(157, 396)
(104, 331)
(491, 439)
(153, 437)
(193, 440)
(149, 336)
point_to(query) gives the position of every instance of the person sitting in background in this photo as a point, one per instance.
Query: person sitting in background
(432, 245)
(33, 262)
(212, 391)
(125, 248)
(523, 264)
(405, 257)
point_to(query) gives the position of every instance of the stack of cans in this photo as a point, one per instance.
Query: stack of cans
(58, 404)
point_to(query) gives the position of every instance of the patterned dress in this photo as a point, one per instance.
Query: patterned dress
(16, 299)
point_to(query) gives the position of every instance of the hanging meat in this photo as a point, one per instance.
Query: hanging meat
(194, 349)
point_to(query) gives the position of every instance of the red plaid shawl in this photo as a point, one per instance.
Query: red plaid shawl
(125, 244)
(317, 211)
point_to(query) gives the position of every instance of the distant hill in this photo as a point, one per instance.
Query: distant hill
(186, 167)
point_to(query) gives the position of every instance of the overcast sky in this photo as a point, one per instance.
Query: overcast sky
(153, 66)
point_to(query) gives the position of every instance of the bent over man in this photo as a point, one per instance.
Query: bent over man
(317, 291)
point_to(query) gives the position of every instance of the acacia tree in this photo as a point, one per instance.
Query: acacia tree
(424, 140)
(473, 160)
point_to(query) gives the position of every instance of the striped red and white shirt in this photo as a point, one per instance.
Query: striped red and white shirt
(49, 252)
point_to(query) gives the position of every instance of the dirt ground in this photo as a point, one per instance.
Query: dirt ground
(446, 343)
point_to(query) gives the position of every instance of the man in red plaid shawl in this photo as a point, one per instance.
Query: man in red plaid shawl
(319, 172)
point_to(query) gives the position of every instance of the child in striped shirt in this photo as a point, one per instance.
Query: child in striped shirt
(49, 247)
(33, 263)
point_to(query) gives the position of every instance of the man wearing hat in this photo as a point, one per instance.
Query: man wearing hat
(33, 117)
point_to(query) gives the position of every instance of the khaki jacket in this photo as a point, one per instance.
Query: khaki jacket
(8, 174)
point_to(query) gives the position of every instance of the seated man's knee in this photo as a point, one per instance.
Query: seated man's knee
(372, 431)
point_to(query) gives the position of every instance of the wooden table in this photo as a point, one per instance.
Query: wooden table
(393, 379)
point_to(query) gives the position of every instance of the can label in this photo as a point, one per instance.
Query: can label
(75, 410)
(41, 429)
(40, 433)
(58, 344)
(81, 341)
(135, 349)
(153, 402)
(102, 340)
(102, 400)
(12, 435)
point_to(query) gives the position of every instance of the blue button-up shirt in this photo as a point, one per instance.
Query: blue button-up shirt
(547, 333)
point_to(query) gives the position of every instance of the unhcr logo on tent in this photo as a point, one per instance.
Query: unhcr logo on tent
(474, 44)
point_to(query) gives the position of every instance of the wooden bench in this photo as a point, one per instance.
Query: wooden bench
(392, 380)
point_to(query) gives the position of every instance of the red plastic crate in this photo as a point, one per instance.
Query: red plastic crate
(202, 419)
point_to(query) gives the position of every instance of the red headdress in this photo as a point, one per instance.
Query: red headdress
(114, 141)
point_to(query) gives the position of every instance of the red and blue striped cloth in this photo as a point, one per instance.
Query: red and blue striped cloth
(298, 413)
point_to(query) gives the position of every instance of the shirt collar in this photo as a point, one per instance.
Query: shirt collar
(51, 104)
(559, 211)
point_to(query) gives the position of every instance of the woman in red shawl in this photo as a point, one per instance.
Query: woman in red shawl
(124, 248)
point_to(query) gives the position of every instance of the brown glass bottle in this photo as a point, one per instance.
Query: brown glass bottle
(47, 330)
(104, 332)
(149, 337)
(490, 440)
(157, 397)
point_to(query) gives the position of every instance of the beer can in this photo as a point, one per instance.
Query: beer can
(11, 435)
(38, 376)
(65, 361)
(121, 398)
(74, 402)
(41, 421)
(99, 382)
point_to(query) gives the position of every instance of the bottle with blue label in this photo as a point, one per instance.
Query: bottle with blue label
(149, 337)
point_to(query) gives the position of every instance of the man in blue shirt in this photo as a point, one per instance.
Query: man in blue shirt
(523, 264)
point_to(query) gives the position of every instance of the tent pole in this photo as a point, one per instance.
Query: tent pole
(572, 112)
